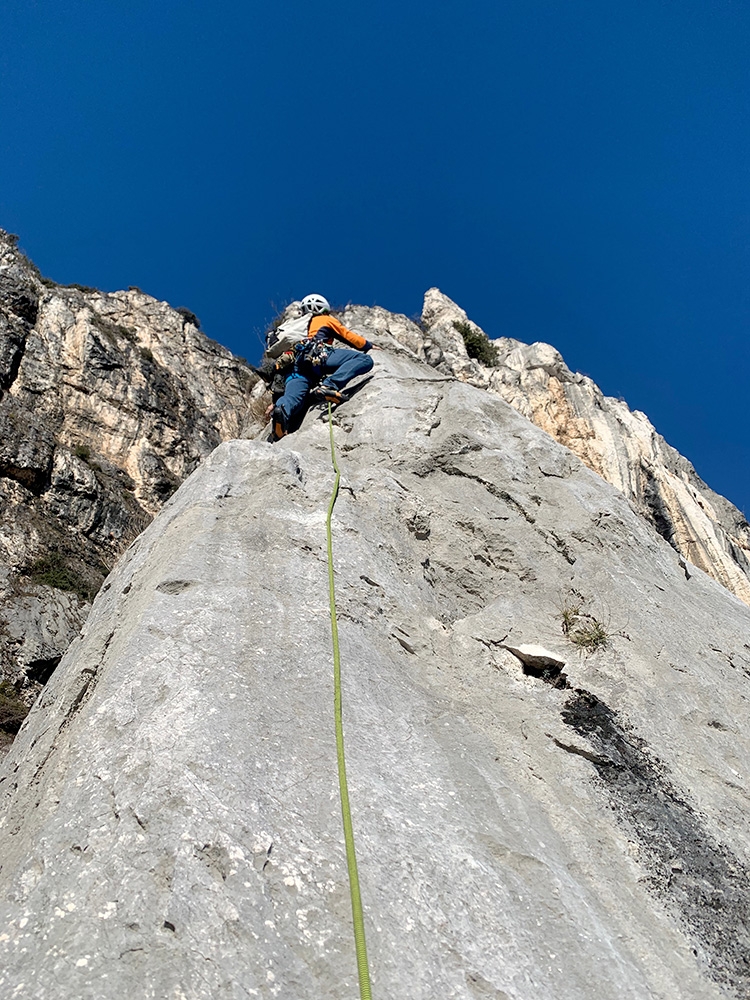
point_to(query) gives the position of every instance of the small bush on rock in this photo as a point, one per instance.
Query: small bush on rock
(257, 407)
(112, 330)
(581, 628)
(53, 571)
(188, 316)
(590, 635)
(568, 618)
(12, 710)
(477, 343)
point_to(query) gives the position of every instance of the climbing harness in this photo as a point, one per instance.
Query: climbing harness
(351, 858)
(312, 353)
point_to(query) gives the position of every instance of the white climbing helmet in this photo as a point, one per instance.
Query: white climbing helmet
(315, 304)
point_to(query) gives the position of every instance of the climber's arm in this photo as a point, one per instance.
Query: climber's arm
(321, 323)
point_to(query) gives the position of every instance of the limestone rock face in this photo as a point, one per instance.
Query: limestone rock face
(170, 824)
(107, 403)
(619, 444)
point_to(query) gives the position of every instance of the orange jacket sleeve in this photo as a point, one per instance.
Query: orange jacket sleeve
(330, 327)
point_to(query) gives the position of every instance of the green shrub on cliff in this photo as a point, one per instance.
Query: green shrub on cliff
(477, 343)
(12, 710)
(54, 571)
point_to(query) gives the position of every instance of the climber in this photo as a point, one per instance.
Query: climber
(320, 371)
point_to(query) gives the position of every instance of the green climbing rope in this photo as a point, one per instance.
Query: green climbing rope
(351, 857)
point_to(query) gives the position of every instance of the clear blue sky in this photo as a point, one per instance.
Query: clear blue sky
(573, 171)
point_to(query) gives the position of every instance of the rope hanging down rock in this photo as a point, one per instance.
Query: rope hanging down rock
(351, 858)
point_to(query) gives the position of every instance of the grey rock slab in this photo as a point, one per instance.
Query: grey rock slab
(169, 817)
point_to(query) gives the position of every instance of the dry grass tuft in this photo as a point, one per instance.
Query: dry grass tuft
(257, 407)
(582, 629)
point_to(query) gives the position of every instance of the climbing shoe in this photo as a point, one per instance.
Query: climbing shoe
(327, 394)
(278, 424)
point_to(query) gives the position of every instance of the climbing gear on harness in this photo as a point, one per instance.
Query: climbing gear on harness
(278, 423)
(313, 352)
(351, 858)
(327, 394)
(315, 304)
(285, 361)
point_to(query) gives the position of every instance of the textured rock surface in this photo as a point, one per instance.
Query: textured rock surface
(170, 825)
(619, 444)
(107, 402)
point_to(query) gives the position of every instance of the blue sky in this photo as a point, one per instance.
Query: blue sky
(573, 171)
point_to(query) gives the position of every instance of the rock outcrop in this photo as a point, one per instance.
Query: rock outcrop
(107, 403)
(169, 823)
(619, 444)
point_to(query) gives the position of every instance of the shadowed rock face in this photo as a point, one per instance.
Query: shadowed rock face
(169, 823)
(107, 403)
(620, 445)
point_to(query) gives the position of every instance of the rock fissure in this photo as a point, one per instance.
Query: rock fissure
(89, 677)
(35, 480)
(589, 755)
(41, 670)
(8, 378)
(454, 470)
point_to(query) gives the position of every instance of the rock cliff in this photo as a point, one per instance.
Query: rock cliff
(620, 445)
(546, 722)
(107, 403)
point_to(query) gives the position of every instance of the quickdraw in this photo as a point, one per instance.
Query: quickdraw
(312, 352)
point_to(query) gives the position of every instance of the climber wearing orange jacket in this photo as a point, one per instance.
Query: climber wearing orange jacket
(329, 327)
(320, 370)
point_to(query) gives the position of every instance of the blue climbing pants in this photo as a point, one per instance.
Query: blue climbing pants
(341, 367)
